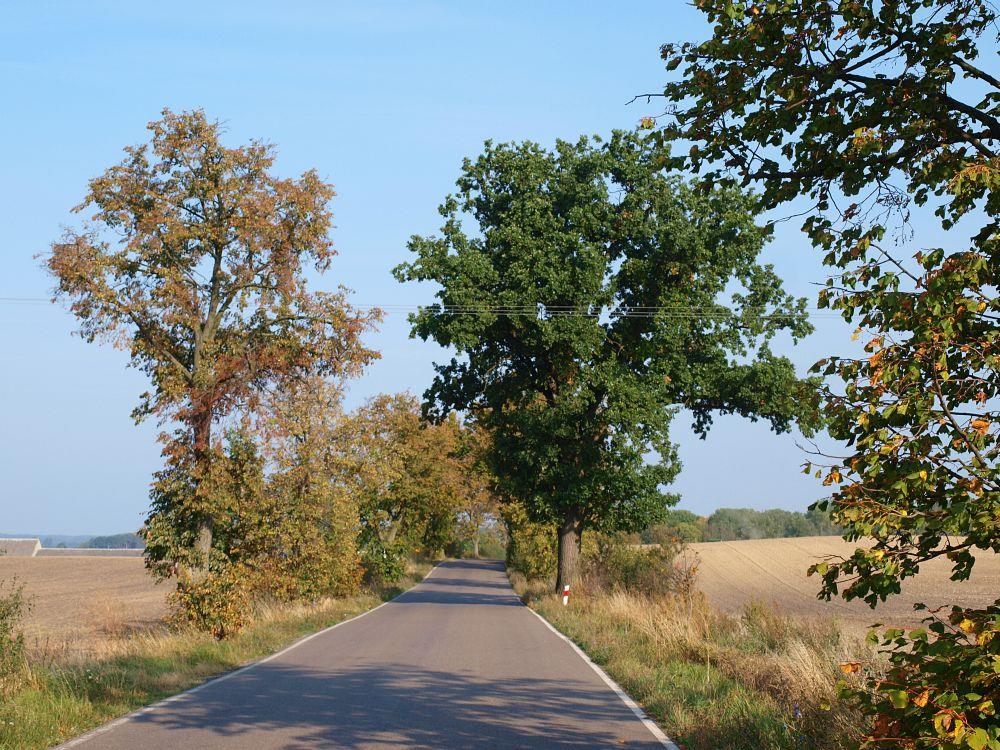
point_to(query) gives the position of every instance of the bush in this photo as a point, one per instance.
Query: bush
(531, 546)
(220, 603)
(383, 562)
(612, 564)
(13, 606)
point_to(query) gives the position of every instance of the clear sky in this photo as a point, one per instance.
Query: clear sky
(384, 100)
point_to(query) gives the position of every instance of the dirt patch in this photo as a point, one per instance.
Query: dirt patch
(80, 602)
(774, 571)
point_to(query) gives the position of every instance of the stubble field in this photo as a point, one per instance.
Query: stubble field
(79, 603)
(773, 571)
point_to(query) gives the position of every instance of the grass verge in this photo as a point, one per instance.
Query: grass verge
(60, 699)
(714, 680)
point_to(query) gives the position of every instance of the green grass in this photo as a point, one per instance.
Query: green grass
(59, 700)
(715, 681)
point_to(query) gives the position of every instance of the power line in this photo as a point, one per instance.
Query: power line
(671, 312)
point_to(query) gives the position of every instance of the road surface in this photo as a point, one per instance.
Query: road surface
(455, 662)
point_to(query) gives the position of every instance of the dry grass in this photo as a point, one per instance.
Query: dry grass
(714, 679)
(774, 571)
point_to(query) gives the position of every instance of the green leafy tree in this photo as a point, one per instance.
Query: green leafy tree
(585, 306)
(114, 541)
(873, 115)
(746, 523)
(677, 526)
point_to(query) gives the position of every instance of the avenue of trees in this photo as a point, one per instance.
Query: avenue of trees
(587, 307)
(589, 292)
(882, 123)
(192, 259)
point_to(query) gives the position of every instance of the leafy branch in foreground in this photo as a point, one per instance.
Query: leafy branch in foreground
(867, 112)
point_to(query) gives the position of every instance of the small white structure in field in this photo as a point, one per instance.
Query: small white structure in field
(20, 547)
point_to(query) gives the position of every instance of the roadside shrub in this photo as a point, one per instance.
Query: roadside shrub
(383, 562)
(655, 570)
(531, 546)
(221, 603)
(13, 607)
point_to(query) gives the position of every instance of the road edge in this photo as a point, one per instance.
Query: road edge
(640, 714)
(105, 728)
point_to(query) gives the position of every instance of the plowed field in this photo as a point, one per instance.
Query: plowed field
(77, 602)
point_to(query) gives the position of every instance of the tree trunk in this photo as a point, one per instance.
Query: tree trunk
(475, 546)
(202, 458)
(569, 550)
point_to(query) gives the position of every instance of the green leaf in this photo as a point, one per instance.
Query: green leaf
(977, 739)
(898, 698)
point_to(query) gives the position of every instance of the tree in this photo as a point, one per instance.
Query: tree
(402, 470)
(478, 503)
(301, 429)
(194, 261)
(585, 307)
(677, 526)
(875, 114)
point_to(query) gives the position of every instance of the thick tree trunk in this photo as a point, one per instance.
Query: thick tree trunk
(202, 457)
(569, 550)
(475, 546)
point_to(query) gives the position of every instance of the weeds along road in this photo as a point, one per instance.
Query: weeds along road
(455, 662)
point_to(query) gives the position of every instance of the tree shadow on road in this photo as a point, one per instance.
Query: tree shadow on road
(397, 706)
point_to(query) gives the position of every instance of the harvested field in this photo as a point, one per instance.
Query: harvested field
(774, 571)
(79, 603)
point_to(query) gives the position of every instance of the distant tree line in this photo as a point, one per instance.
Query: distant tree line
(730, 524)
(114, 541)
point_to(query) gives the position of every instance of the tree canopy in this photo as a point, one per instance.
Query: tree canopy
(585, 306)
(193, 259)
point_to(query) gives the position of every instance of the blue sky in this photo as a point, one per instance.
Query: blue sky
(384, 100)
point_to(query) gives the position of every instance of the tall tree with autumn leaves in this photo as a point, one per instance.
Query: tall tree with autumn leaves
(879, 118)
(193, 259)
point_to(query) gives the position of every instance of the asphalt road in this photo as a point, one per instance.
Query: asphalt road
(455, 662)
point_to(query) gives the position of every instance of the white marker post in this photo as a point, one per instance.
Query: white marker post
(565, 594)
